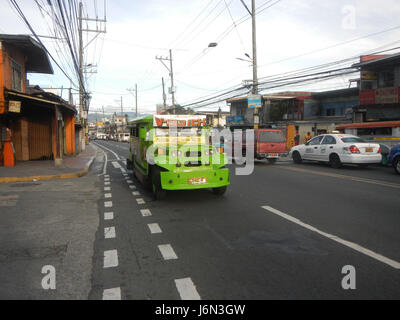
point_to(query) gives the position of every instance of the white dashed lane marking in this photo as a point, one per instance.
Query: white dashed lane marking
(140, 201)
(167, 252)
(112, 294)
(110, 258)
(145, 212)
(108, 215)
(108, 204)
(187, 290)
(108, 195)
(154, 228)
(109, 232)
(132, 186)
(136, 193)
(107, 188)
(116, 164)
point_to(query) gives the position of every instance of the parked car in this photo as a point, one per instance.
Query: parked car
(394, 158)
(125, 137)
(338, 149)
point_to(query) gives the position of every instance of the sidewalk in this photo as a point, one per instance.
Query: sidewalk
(72, 167)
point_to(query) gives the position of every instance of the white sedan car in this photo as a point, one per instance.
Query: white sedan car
(337, 149)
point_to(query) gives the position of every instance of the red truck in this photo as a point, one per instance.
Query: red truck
(268, 144)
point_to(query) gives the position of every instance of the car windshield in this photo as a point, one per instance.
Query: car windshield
(271, 136)
(352, 139)
(181, 132)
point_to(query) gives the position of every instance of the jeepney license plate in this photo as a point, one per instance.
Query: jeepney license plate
(201, 180)
(369, 149)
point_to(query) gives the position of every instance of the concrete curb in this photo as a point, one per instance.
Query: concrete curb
(77, 174)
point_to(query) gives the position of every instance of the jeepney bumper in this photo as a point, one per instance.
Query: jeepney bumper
(194, 179)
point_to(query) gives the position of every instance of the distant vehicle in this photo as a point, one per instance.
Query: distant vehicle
(125, 137)
(394, 158)
(338, 149)
(269, 144)
(101, 136)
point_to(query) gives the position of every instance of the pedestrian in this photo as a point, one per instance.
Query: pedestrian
(307, 137)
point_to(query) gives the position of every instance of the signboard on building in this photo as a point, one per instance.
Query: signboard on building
(387, 95)
(254, 101)
(368, 75)
(14, 106)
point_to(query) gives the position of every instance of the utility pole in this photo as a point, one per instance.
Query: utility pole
(163, 93)
(255, 77)
(122, 108)
(83, 95)
(171, 74)
(136, 97)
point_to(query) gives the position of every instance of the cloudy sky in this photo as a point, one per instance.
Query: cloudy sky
(291, 35)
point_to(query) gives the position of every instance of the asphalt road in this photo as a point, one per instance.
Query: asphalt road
(284, 232)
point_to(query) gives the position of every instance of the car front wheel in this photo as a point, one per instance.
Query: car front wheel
(335, 161)
(297, 157)
(396, 165)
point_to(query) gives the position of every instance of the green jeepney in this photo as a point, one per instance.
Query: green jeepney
(173, 152)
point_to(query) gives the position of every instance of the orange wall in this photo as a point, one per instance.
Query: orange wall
(10, 52)
(2, 102)
(70, 134)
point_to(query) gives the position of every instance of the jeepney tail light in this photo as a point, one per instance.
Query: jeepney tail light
(221, 150)
(354, 149)
(379, 150)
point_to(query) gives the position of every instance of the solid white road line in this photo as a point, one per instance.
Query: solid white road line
(140, 201)
(107, 188)
(145, 212)
(167, 252)
(116, 164)
(108, 204)
(108, 195)
(187, 289)
(108, 215)
(349, 244)
(109, 233)
(101, 146)
(154, 228)
(136, 193)
(110, 258)
(112, 294)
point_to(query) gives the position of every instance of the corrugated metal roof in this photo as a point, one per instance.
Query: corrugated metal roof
(37, 58)
(389, 59)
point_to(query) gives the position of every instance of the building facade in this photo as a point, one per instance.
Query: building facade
(41, 124)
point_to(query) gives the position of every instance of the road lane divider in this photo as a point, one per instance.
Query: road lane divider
(145, 212)
(108, 204)
(108, 215)
(109, 150)
(109, 233)
(154, 228)
(112, 294)
(140, 201)
(167, 252)
(342, 176)
(349, 244)
(186, 289)
(108, 195)
(110, 259)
